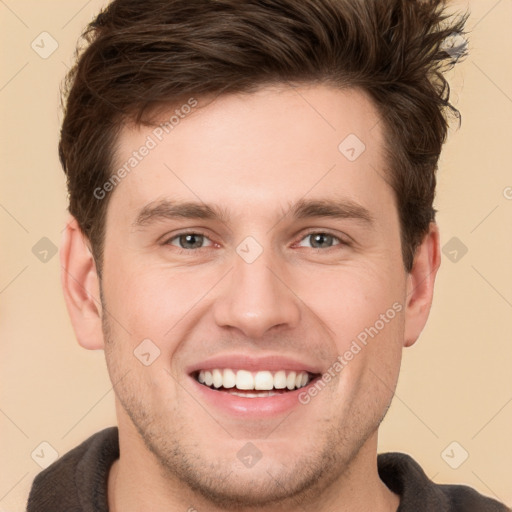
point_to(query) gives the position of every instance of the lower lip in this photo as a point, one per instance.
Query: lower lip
(264, 406)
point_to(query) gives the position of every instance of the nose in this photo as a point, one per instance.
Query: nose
(256, 298)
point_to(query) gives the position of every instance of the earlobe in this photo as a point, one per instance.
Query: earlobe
(420, 285)
(80, 285)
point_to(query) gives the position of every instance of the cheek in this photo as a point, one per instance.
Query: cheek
(351, 300)
(156, 300)
(363, 312)
(370, 370)
(152, 301)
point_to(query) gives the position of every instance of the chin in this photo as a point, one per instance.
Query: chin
(256, 487)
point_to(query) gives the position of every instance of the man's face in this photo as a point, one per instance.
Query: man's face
(264, 289)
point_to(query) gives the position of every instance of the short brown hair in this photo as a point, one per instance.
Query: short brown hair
(142, 55)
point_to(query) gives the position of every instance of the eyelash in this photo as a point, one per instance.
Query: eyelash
(180, 250)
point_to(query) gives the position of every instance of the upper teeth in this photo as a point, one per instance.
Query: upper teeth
(243, 379)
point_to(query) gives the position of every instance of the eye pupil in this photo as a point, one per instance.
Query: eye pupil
(195, 240)
(321, 238)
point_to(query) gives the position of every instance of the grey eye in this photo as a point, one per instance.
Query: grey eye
(320, 240)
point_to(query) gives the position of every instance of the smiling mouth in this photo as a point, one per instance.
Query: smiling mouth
(249, 384)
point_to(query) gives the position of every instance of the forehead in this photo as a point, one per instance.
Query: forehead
(250, 152)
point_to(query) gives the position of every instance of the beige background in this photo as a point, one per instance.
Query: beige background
(456, 382)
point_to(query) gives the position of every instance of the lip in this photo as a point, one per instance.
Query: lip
(250, 408)
(271, 362)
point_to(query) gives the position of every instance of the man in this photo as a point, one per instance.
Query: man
(252, 243)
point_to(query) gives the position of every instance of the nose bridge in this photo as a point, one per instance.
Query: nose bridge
(255, 299)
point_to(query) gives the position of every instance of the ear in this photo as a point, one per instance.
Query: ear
(81, 286)
(420, 285)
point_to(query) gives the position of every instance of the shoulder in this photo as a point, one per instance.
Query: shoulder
(404, 476)
(463, 498)
(58, 483)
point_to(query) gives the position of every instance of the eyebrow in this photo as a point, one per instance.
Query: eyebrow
(302, 209)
